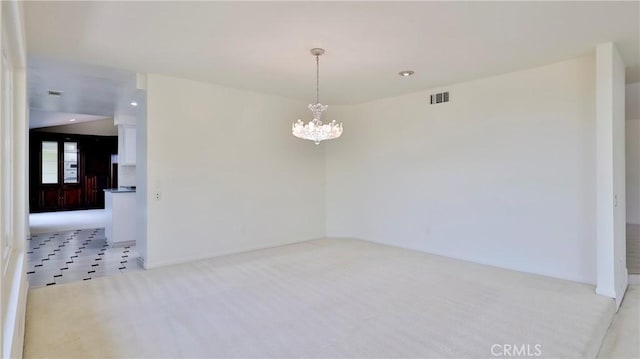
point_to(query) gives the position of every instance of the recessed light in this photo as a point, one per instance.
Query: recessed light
(71, 120)
(133, 103)
(406, 73)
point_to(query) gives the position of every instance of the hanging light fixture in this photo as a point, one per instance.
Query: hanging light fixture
(315, 130)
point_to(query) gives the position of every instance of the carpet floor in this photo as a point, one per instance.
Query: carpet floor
(322, 298)
(623, 338)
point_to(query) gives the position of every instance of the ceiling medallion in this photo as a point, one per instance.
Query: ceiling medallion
(315, 130)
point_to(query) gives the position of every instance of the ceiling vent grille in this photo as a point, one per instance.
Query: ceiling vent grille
(55, 93)
(439, 97)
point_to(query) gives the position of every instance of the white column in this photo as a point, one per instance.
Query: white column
(610, 157)
(21, 160)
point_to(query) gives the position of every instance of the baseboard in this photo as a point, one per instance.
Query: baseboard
(622, 289)
(14, 321)
(634, 279)
(199, 257)
(18, 335)
(484, 262)
(606, 292)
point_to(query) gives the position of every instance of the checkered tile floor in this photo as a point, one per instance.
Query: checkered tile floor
(63, 257)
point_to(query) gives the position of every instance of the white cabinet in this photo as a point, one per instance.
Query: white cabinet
(127, 145)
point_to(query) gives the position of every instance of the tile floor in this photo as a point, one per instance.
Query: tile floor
(69, 256)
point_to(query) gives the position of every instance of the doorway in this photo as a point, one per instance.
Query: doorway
(59, 188)
(70, 172)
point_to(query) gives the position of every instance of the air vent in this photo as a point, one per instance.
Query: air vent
(440, 97)
(55, 93)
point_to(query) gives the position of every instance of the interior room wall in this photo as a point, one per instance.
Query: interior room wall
(97, 128)
(503, 174)
(142, 200)
(127, 176)
(633, 152)
(633, 176)
(227, 171)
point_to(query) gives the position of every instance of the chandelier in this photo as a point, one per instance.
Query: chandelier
(315, 130)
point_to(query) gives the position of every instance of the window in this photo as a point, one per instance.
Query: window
(49, 162)
(70, 162)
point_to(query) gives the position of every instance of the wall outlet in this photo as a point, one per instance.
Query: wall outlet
(157, 195)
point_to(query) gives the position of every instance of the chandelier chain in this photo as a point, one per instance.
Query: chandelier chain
(317, 78)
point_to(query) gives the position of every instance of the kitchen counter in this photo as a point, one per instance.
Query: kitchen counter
(120, 210)
(120, 190)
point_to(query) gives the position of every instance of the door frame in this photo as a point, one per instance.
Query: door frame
(36, 185)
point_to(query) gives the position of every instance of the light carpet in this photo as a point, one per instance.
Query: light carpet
(623, 338)
(322, 298)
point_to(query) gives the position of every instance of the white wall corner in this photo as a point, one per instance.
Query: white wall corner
(217, 182)
(462, 179)
(610, 164)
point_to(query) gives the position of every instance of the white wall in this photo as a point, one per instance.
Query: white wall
(504, 174)
(127, 176)
(231, 177)
(632, 143)
(141, 174)
(610, 186)
(633, 152)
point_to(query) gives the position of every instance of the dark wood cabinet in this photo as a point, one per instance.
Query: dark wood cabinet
(70, 171)
(59, 197)
(49, 198)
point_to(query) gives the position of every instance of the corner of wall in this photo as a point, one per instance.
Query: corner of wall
(413, 182)
(610, 157)
(141, 176)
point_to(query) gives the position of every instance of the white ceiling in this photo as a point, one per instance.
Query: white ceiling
(38, 118)
(264, 46)
(89, 92)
